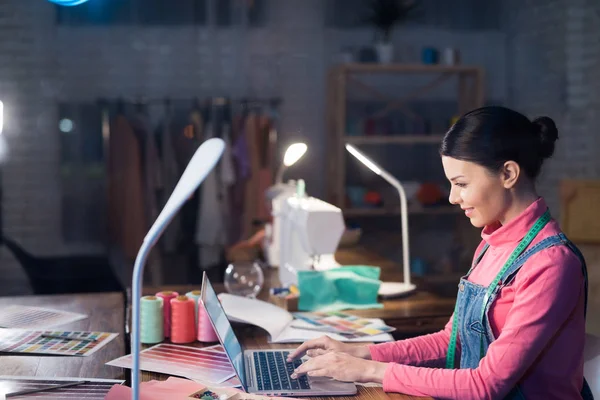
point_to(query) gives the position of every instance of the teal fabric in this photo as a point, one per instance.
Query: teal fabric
(347, 287)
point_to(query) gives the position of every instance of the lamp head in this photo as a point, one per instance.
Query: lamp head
(363, 159)
(294, 153)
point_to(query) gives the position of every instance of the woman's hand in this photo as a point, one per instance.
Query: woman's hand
(325, 344)
(342, 367)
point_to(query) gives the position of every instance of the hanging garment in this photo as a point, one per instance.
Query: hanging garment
(241, 163)
(265, 174)
(185, 139)
(188, 134)
(211, 229)
(127, 218)
(252, 183)
(240, 150)
(170, 176)
(152, 185)
(151, 165)
(227, 180)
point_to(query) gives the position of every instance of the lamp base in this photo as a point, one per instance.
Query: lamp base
(389, 290)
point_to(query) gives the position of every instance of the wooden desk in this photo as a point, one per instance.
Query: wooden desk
(419, 313)
(105, 313)
(254, 338)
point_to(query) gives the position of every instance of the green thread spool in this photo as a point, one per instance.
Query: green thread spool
(151, 320)
(195, 294)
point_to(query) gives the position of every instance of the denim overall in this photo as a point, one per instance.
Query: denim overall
(470, 302)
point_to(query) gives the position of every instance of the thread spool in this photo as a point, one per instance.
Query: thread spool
(167, 296)
(195, 294)
(183, 328)
(151, 320)
(206, 333)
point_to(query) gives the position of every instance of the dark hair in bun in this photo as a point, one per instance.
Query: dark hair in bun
(490, 136)
(546, 129)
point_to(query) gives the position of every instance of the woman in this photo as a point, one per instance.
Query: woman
(518, 328)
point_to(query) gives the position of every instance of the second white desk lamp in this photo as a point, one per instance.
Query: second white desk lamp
(392, 289)
(293, 153)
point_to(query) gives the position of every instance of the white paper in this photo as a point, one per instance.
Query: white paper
(278, 322)
(260, 313)
(27, 317)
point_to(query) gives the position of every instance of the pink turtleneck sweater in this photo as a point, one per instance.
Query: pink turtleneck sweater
(538, 323)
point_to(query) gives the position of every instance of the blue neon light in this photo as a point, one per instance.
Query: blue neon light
(68, 3)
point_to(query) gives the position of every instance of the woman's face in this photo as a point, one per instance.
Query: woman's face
(481, 194)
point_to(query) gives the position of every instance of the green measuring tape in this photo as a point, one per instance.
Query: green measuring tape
(535, 229)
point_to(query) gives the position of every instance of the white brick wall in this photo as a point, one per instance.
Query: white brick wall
(41, 64)
(30, 179)
(555, 48)
(560, 42)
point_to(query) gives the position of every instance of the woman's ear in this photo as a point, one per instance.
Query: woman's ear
(510, 174)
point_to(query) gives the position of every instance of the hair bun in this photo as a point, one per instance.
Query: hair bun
(547, 132)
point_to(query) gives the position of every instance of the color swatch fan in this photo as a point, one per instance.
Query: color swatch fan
(63, 343)
(347, 325)
(207, 365)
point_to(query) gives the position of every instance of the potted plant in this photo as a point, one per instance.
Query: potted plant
(384, 15)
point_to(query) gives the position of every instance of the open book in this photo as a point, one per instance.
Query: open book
(280, 324)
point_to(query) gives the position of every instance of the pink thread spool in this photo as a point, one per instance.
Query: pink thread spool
(167, 296)
(183, 320)
(206, 333)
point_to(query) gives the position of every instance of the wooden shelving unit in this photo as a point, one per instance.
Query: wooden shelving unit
(470, 95)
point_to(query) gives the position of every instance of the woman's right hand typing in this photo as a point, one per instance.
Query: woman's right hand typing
(325, 344)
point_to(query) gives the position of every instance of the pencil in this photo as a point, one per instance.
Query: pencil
(68, 338)
(29, 391)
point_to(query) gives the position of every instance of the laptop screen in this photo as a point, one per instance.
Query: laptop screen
(223, 328)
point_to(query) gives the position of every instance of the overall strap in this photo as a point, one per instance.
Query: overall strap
(559, 239)
(577, 252)
(550, 241)
(478, 258)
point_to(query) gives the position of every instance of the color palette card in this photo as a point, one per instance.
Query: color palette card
(206, 365)
(64, 343)
(26, 317)
(347, 325)
(92, 389)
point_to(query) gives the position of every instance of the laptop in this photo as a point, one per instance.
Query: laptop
(265, 372)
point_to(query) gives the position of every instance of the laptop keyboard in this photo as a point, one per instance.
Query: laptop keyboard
(273, 371)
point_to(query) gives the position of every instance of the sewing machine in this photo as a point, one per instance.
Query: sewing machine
(275, 196)
(309, 233)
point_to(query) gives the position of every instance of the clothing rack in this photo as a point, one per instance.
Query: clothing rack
(216, 111)
(215, 101)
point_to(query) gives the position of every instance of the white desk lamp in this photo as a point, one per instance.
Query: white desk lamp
(201, 164)
(293, 153)
(392, 289)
